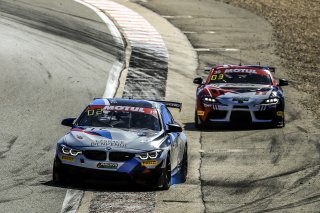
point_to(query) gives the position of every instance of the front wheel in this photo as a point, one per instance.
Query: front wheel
(184, 165)
(279, 122)
(57, 175)
(199, 124)
(165, 179)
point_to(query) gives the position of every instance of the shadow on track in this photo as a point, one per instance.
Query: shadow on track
(100, 186)
(227, 127)
(103, 186)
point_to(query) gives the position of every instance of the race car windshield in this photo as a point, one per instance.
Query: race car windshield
(120, 117)
(242, 78)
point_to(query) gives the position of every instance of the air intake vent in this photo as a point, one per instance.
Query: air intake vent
(120, 156)
(95, 155)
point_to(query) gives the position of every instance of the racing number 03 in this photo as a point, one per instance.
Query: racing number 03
(217, 77)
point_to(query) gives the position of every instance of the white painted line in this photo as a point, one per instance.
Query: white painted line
(216, 49)
(202, 49)
(188, 32)
(71, 201)
(231, 50)
(173, 17)
(191, 32)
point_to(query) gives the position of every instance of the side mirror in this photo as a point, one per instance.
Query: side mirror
(283, 82)
(197, 80)
(174, 128)
(68, 122)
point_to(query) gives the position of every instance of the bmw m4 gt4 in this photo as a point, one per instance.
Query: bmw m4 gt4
(123, 140)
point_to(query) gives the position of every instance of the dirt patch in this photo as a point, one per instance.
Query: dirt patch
(296, 28)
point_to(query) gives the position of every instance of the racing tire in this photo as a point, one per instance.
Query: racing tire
(279, 122)
(57, 175)
(199, 124)
(184, 165)
(166, 176)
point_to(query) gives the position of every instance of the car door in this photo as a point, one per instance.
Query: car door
(168, 119)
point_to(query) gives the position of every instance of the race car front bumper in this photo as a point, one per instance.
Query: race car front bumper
(136, 174)
(240, 113)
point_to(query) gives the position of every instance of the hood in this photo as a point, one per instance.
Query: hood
(113, 138)
(239, 93)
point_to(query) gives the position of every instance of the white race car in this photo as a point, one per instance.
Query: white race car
(123, 140)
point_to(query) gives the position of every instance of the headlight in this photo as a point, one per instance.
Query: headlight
(69, 151)
(149, 155)
(209, 100)
(271, 101)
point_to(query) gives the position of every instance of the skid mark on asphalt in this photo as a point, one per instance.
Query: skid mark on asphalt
(46, 20)
(8, 147)
(148, 64)
(276, 150)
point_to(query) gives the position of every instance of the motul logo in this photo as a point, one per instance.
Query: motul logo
(239, 71)
(123, 108)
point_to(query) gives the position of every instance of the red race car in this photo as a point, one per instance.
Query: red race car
(235, 93)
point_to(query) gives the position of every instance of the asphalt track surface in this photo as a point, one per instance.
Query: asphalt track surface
(246, 169)
(44, 78)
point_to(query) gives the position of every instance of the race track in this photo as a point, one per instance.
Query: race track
(46, 77)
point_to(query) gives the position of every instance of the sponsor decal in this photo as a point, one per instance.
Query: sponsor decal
(107, 165)
(79, 137)
(68, 158)
(280, 113)
(240, 71)
(99, 110)
(149, 163)
(259, 92)
(207, 105)
(122, 108)
(109, 143)
(102, 133)
(217, 77)
(200, 113)
(240, 99)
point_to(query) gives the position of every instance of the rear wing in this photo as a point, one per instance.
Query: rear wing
(171, 104)
(271, 69)
(207, 69)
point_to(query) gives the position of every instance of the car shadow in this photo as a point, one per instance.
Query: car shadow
(227, 127)
(100, 186)
(103, 186)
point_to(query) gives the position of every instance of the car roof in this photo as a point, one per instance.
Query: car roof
(126, 102)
